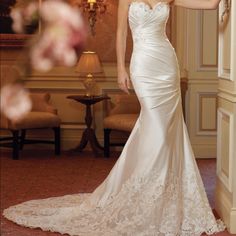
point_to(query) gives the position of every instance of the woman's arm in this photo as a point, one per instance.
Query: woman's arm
(197, 4)
(121, 35)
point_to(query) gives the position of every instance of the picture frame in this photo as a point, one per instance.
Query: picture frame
(13, 40)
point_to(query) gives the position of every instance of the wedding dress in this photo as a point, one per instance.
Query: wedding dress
(155, 188)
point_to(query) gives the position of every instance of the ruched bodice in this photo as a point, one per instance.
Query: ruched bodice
(154, 67)
(148, 25)
(155, 188)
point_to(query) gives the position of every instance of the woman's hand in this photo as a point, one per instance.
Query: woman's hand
(124, 81)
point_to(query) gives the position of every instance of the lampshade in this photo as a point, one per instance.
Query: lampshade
(89, 63)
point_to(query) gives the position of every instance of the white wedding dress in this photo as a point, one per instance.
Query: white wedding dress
(155, 188)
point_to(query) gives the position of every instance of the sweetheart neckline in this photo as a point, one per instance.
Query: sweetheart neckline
(151, 8)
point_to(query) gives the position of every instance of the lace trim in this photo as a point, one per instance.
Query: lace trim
(147, 7)
(145, 206)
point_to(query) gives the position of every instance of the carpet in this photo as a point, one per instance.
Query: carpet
(40, 174)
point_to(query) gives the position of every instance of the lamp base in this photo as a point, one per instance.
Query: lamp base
(89, 84)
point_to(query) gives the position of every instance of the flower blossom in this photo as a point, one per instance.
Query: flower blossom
(15, 101)
(63, 34)
(23, 17)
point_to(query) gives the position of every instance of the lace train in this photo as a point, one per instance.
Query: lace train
(142, 201)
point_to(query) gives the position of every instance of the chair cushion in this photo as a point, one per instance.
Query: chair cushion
(40, 102)
(35, 120)
(125, 104)
(123, 122)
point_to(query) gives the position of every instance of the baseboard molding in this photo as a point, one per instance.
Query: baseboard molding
(233, 221)
(223, 206)
(204, 150)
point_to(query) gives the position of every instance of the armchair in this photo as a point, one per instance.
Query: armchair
(42, 115)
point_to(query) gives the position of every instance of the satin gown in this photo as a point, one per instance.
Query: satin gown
(155, 188)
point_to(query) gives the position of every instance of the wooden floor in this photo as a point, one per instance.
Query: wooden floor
(39, 174)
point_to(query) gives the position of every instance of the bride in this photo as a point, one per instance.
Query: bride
(155, 188)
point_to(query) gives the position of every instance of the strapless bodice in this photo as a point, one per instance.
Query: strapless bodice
(148, 25)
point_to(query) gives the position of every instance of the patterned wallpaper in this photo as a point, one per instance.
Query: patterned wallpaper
(105, 39)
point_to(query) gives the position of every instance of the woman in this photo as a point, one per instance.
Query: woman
(155, 188)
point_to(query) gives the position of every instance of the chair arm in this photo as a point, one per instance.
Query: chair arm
(40, 102)
(125, 104)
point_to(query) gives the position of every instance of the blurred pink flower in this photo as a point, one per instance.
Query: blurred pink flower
(63, 33)
(15, 101)
(62, 37)
(56, 11)
(18, 21)
(31, 12)
(24, 16)
(56, 46)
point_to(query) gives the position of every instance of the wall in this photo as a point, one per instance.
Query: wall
(197, 52)
(226, 148)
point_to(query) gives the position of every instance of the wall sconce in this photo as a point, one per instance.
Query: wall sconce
(226, 11)
(92, 7)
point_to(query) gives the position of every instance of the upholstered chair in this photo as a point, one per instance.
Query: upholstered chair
(122, 112)
(42, 116)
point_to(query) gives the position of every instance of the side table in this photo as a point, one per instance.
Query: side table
(89, 133)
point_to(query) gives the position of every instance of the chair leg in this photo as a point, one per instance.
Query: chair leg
(15, 153)
(107, 142)
(22, 138)
(57, 135)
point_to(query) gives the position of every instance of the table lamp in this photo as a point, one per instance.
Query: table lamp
(88, 65)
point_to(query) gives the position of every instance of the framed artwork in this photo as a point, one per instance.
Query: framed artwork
(8, 38)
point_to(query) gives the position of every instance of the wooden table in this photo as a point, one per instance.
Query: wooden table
(89, 133)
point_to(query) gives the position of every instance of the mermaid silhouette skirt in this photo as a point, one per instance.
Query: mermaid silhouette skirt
(155, 188)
